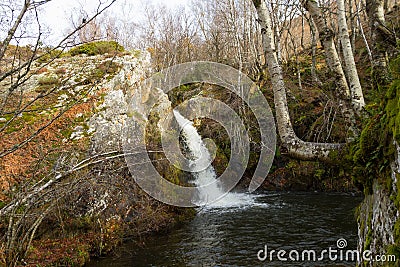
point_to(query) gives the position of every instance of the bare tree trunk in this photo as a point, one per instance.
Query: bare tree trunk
(296, 147)
(332, 59)
(357, 97)
(326, 36)
(296, 56)
(303, 47)
(278, 44)
(361, 28)
(381, 37)
(276, 25)
(353, 27)
(313, 51)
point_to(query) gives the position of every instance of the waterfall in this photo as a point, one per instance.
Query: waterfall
(200, 159)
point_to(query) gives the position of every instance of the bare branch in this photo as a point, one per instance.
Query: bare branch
(11, 32)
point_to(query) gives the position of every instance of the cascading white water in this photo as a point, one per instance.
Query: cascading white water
(200, 160)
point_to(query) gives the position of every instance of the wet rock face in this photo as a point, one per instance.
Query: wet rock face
(378, 215)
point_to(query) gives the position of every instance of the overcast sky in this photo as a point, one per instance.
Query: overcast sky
(57, 13)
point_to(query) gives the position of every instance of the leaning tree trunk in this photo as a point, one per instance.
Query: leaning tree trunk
(357, 97)
(296, 147)
(326, 35)
(382, 38)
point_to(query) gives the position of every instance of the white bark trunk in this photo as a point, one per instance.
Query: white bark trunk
(357, 97)
(326, 37)
(361, 28)
(334, 64)
(381, 37)
(313, 51)
(296, 147)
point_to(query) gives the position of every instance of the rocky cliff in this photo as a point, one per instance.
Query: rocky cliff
(90, 201)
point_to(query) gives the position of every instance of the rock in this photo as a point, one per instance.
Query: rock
(378, 216)
(78, 133)
(123, 96)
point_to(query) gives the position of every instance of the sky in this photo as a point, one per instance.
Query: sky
(57, 13)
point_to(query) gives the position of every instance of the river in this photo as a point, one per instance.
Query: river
(233, 235)
(247, 229)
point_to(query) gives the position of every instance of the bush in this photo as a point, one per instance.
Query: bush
(42, 70)
(97, 48)
(49, 55)
(48, 80)
(61, 71)
(101, 70)
(46, 83)
(108, 67)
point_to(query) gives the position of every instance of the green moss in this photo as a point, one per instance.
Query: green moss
(105, 69)
(397, 232)
(393, 109)
(394, 249)
(66, 133)
(49, 54)
(97, 48)
(185, 214)
(395, 67)
(19, 122)
(221, 161)
(368, 238)
(46, 83)
(153, 142)
(397, 200)
(374, 150)
(48, 80)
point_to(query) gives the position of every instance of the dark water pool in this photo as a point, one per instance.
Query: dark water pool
(232, 236)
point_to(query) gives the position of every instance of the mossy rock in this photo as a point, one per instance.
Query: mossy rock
(50, 55)
(97, 48)
(48, 80)
(393, 109)
(374, 150)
